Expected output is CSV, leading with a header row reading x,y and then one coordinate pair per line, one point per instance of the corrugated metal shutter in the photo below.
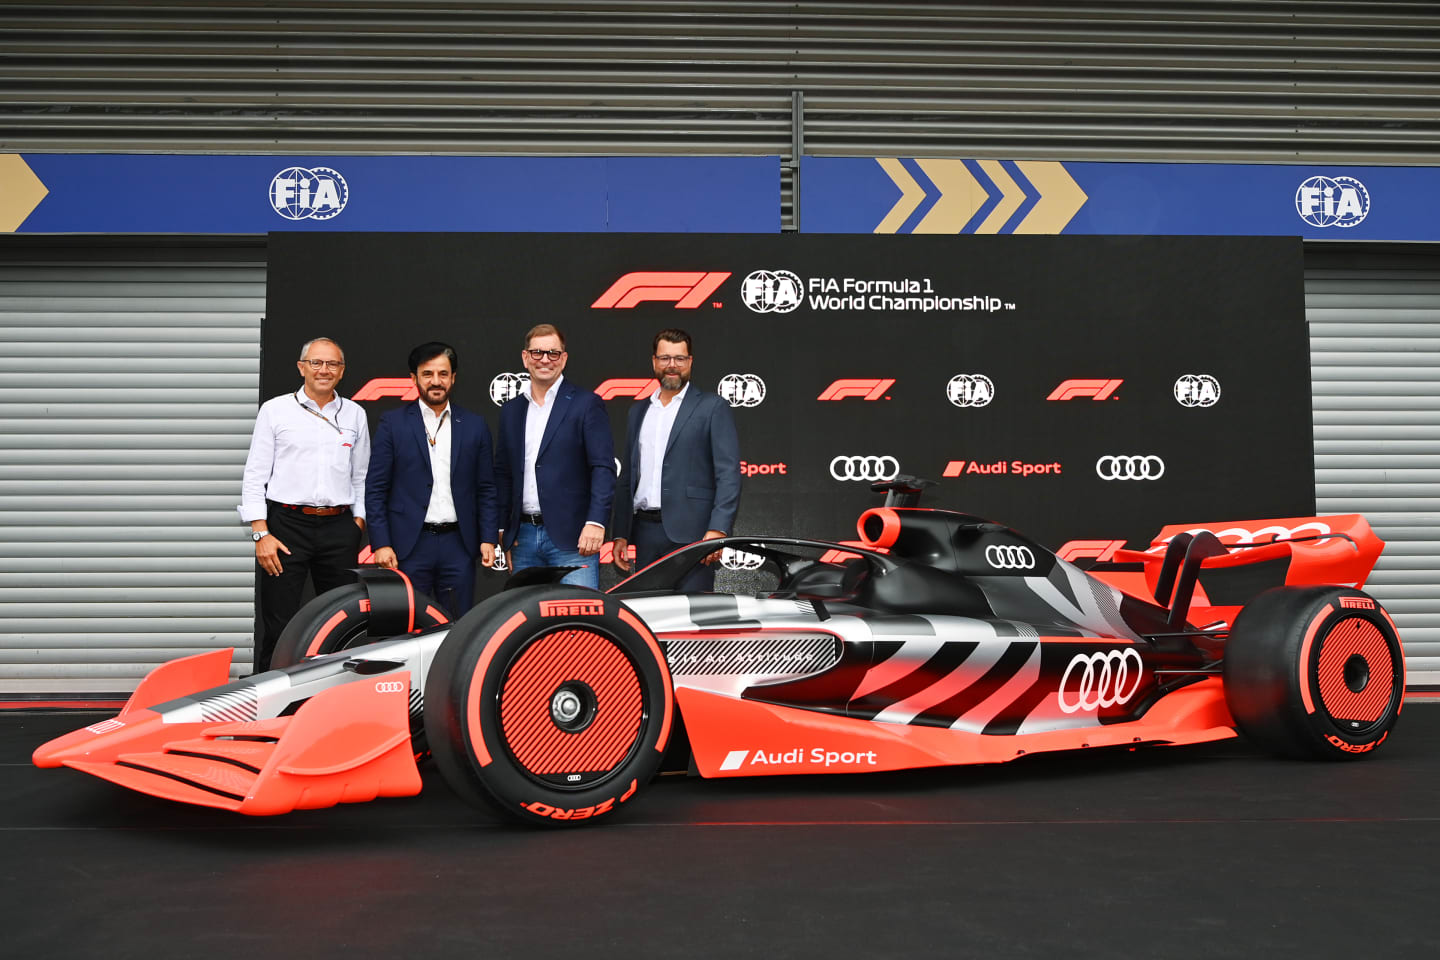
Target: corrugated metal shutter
x,y
1374,317
1268,80
128,389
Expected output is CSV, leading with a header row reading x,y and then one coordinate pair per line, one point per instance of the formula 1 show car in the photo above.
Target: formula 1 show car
x,y
937,638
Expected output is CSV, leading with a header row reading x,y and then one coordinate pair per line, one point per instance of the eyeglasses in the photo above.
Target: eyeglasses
x,y
671,361
542,354
327,364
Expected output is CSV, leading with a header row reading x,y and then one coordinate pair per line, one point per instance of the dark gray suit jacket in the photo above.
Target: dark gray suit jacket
x,y
700,475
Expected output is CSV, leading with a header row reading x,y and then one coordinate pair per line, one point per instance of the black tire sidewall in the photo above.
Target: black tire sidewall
x,y
293,645
502,784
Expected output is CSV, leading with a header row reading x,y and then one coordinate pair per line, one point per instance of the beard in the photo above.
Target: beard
x,y
674,382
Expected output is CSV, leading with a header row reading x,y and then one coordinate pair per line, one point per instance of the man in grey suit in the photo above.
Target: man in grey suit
x,y
681,480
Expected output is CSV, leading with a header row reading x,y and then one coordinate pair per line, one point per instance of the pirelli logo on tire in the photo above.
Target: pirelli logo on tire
x,y
572,608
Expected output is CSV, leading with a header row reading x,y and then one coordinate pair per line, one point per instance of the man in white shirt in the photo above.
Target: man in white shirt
x,y
303,492
430,493
554,466
682,459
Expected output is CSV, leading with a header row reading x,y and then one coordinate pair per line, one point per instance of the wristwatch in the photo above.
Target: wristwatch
x,y
259,535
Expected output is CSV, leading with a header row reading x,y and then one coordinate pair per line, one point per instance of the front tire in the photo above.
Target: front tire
x,y
551,704
1315,672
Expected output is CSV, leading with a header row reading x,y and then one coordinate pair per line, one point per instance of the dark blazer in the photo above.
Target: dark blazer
x,y
700,475
397,488
574,470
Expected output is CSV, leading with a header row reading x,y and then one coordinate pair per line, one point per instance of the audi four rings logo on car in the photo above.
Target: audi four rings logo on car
x,y
772,291
1009,556
864,468
1128,467
741,389
970,390
1095,680
1197,390
389,686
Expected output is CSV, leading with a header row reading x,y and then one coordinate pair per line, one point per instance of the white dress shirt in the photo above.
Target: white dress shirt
x,y
654,438
536,416
303,454
442,502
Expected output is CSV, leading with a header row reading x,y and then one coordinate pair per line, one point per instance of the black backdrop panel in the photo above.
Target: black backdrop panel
x,y
1153,327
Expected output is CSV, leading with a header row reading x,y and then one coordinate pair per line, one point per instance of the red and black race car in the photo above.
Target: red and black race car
x,y
937,638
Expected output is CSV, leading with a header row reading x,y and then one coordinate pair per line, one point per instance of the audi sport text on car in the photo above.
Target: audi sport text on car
x,y
936,638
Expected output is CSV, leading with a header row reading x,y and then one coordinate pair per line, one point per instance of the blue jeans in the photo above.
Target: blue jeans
x,y
533,548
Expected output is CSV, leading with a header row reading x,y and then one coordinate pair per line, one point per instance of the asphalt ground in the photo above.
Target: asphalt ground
x,y
1209,851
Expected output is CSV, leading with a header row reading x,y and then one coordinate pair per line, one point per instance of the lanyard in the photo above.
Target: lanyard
x,y
438,427
316,413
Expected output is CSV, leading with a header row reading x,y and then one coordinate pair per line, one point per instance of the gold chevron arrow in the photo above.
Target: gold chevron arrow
x,y
1011,196
1060,197
20,191
960,196
910,195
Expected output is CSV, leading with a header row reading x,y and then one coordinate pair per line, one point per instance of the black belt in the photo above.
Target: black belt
x,y
440,527
648,514
533,518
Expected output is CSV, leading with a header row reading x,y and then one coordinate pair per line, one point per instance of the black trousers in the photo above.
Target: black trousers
x,y
651,544
324,549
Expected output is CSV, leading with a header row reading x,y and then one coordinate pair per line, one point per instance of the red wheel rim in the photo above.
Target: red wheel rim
x,y
537,741
1354,645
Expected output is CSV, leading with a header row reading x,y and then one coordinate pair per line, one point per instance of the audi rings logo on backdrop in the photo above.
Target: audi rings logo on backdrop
x,y
1130,467
741,389
1197,390
1009,556
1104,679
864,468
970,390
732,559
772,291
507,386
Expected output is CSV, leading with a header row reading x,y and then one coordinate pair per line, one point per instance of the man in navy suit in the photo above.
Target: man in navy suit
x,y
682,461
430,492
555,466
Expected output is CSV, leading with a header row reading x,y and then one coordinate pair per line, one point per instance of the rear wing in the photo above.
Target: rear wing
x,y
1336,550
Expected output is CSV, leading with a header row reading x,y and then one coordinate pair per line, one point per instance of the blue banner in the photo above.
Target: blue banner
x,y
133,193
1317,202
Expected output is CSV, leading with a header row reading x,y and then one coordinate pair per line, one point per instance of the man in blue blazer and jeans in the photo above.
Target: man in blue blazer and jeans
x,y
554,466
682,464
430,492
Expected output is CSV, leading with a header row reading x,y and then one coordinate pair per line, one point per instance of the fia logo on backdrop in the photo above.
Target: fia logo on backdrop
x,y
741,389
304,193
1332,202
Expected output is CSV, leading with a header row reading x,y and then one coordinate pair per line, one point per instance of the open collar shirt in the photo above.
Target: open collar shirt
x,y
437,429
537,415
654,438
301,453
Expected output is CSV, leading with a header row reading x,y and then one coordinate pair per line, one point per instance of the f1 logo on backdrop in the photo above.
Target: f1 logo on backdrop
x,y
970,390
300,193
864,468
1094,389
741,389
1197,390
401,388
871,389
687,290
1127,467
637,387
1101,550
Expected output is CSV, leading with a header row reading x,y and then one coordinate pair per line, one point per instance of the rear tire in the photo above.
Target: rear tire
x,y
1315,672
551,704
